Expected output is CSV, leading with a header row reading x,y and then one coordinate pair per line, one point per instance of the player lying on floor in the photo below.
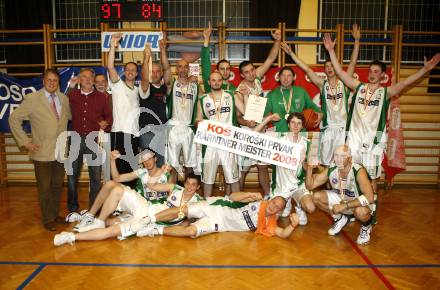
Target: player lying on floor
x,y
149,173
221,215
131,202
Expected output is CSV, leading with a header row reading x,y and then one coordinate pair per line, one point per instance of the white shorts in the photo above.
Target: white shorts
x,y
214,157
297,194
133,203
245,163
180,140
334,198
330,139
211,220
372,162
207,219
199,159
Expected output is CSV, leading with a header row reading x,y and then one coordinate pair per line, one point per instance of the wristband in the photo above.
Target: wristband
x,y
363,200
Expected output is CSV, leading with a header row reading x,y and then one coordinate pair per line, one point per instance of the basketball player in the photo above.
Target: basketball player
x,y
333,98
223,216
251,85
366,122
289,183
218,105
351,193
182,105
149,173
223,66
287,99
130,201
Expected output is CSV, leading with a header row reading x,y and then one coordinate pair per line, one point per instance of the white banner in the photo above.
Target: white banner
x,y
133,41
247,143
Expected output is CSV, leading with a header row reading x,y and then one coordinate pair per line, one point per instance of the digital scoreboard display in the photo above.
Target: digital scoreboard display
x,y
140,10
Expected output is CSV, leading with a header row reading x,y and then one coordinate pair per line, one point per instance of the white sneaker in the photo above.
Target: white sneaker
x,y
96,224
338,225
64,238
87,219
364,235
150,230
75,217
302,216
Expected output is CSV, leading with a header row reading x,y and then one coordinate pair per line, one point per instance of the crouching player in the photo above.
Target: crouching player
x,y
351,193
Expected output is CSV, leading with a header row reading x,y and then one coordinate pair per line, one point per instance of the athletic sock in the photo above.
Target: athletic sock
x,y
368,222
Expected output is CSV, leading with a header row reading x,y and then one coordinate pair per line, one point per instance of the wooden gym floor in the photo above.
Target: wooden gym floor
x,y
404,252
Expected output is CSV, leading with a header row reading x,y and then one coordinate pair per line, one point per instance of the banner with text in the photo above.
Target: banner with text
x,y
132,41
247,143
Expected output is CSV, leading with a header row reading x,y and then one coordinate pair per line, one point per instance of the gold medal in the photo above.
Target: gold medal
x,y
362,113
335,108
181,215
287,103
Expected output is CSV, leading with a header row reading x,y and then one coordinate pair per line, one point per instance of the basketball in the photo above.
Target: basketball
x,y
310,117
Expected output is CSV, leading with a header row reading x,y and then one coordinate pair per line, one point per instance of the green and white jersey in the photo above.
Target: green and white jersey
x,y
235,216
334,103
366,124
182,103
144,178
175,198
221,110
286,180
351,189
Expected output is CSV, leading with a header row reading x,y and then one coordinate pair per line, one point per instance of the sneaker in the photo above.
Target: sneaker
x,y
64,238
140,224
75,217
302,216
150,230
95,224
364,235
338,225
86,220
117,213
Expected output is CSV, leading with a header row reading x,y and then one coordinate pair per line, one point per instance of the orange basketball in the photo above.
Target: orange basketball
x,y
311,117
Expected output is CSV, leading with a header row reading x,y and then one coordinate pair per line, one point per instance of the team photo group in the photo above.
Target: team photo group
x,y
154,149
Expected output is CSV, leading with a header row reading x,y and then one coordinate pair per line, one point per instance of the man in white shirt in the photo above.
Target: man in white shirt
x,y
125,100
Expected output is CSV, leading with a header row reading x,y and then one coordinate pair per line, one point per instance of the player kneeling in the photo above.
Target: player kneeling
x,y
351,193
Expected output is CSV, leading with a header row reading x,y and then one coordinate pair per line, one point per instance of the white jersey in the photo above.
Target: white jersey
x,y
144,178
350,186
222,110
285,181
334,104
125,101
257,90
235,216
182,104
367,119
